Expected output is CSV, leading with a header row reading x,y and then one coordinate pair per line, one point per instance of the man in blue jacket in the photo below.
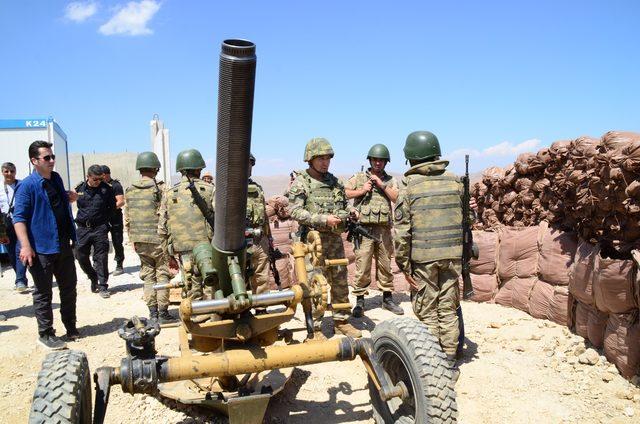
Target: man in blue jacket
x,y
44,225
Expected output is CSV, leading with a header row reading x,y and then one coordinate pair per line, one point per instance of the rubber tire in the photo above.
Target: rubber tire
x,y
427,367
63,390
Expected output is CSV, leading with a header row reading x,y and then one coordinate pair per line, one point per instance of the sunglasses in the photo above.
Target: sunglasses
x,y
48,158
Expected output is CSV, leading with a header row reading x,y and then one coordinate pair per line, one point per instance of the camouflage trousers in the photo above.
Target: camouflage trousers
x,y
154,268
332,248
260,264
437,299
190,276
382,252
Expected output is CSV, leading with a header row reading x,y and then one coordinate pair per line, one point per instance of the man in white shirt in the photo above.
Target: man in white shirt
x,y
6,206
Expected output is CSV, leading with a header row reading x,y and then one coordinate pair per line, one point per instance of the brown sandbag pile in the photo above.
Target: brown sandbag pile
x,y
483,270
622,343
615,285
517,265
587,185
556,252
532,266
550,302
518,252
588,322
515,293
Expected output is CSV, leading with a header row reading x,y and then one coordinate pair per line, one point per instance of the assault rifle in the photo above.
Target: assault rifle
x,y
206,211
467,235
274,255
356,231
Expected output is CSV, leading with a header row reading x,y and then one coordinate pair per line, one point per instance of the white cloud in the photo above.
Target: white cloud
x,y
131,19
79,11
500,154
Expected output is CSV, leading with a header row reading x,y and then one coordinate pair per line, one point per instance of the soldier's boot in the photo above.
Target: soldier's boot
x,y
453,366
346,329
165,316
94,286
358,310
118,270
153,313
390,305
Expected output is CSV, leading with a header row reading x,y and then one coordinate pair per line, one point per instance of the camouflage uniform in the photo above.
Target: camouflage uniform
x,y
257,219
428,245
311,201
184,227
375,214
141,222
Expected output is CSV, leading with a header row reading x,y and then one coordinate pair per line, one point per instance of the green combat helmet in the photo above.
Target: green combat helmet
x,y
147,160
379,151
422,145
189,159
317,147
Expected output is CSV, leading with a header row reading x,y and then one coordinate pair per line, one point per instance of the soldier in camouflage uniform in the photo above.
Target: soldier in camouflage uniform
x,y
141,222
428,241
373,191
317,200
181,221
257,220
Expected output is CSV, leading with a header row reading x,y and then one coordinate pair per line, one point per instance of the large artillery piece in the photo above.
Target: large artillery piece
x,y
236,360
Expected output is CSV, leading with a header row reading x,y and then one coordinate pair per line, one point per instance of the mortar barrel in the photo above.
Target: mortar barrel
x,y
235,114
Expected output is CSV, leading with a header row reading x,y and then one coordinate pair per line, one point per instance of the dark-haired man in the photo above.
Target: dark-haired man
x,y
116,223
96,205
44,226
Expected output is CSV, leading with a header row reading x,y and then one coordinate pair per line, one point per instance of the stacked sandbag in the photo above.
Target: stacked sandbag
x,y
280,231
549,298
585,320
587,185
517,266
483,270
606,295
622,343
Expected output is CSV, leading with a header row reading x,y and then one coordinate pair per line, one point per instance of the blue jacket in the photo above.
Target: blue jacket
x,y
31,206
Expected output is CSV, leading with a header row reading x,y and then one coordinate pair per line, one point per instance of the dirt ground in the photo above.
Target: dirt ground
x,y
516,369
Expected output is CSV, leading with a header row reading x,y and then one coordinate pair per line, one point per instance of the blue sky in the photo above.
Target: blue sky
x,y
495,78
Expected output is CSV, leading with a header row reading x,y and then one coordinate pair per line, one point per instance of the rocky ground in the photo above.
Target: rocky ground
x,y
516,369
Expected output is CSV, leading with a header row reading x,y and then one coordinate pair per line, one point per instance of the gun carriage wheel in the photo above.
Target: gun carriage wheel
x,y
411,356
63,390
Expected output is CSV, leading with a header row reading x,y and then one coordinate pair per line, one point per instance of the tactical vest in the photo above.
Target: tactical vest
x,y
142,208
187,226
374,207
325,198
436,217
256,212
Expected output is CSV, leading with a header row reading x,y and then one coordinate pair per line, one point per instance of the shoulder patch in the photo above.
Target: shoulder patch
x,y
296,189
